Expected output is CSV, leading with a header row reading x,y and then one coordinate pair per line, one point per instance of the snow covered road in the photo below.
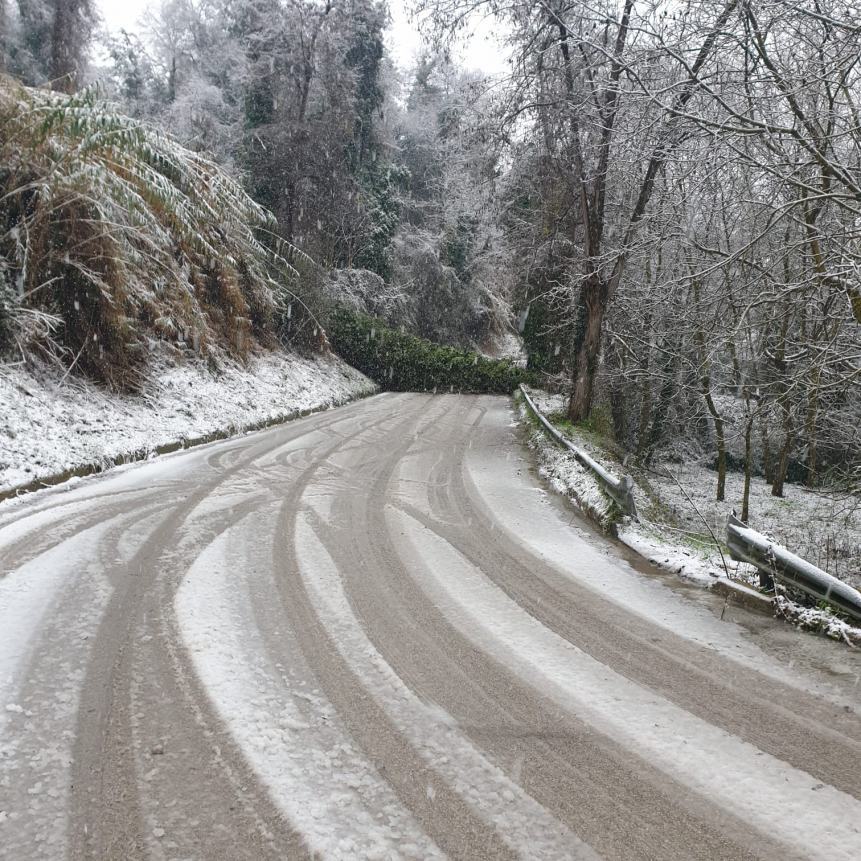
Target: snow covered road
x,y
371,634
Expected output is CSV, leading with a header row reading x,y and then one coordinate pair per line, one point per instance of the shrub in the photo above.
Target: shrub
x,y
402,362
112,234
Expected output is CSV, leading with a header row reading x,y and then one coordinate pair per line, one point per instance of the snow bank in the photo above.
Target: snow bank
x,y
50,427
673,500
566,474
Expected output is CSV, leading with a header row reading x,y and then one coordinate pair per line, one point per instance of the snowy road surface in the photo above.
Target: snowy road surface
x,y
371,634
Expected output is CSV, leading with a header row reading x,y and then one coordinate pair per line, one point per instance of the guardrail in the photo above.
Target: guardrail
x,y
620,490
748,545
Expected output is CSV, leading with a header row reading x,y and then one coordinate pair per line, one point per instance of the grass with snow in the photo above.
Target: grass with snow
x,y
682,526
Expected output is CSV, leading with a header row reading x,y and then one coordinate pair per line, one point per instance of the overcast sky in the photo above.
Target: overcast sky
x,y
482,50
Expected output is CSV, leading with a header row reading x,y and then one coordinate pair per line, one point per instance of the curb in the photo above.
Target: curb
x,y
743,595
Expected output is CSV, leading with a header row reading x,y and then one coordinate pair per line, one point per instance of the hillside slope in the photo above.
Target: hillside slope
x,y
51,427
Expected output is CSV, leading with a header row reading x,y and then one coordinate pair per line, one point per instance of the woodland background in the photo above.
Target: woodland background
x,y
659,201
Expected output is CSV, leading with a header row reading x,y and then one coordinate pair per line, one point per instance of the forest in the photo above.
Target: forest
x,y
656,207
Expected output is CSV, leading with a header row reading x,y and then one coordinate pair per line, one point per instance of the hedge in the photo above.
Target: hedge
x,y
404,363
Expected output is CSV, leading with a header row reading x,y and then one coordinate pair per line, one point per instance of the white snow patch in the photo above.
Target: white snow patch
x,y
687,563
47,428
311,768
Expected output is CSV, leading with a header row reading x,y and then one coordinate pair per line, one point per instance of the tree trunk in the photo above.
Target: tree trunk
x,y
69,36
812,412
646,384
588,348
171,81
616,396
719,438
779,360
737,376
63,73
745,498
645,415
620,418
662,408
783,458
767,472
3,35
782,465
706,389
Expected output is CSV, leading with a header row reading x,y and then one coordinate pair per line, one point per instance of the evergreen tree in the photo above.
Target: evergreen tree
x,y
71,29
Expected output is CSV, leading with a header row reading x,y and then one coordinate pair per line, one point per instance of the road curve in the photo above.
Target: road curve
x,y
372,634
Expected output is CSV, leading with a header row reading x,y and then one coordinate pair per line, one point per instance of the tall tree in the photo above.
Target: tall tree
x,y
4,35
72,27
27,42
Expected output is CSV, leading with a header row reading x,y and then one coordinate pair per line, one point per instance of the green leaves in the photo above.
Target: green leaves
x,y
126,226
380,185
402,362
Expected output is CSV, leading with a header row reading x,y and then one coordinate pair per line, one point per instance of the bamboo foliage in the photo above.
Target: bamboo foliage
x,y
113,235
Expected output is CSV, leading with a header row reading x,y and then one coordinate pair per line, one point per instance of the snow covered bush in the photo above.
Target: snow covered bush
x,y
114,236
366,292
402,362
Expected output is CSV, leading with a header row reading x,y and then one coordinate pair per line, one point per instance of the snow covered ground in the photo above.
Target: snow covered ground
x,y
565,473
678,515
50,426
506,346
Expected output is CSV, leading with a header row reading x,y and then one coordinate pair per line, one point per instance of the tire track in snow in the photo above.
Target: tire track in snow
x,y
310,766
45,637
522,823
443,814
502,714
26,539
708,760
753,706
137,670
32,524
205,522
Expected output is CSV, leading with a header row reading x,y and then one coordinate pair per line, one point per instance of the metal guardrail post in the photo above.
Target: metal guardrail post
x,y
620,490
748,545
626,487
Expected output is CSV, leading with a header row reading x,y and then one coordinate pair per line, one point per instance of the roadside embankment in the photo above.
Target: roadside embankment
x,y
53,428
